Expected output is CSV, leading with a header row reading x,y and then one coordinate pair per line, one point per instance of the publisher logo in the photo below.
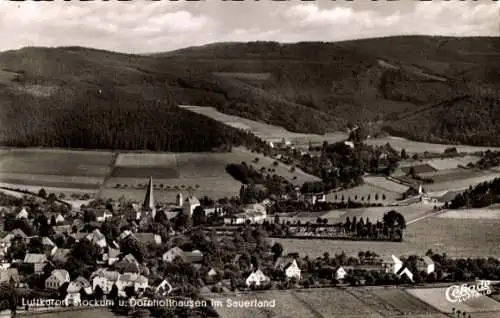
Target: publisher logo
x,y
464,292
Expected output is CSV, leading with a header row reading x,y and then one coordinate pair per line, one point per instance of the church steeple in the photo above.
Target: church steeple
x,y
149,202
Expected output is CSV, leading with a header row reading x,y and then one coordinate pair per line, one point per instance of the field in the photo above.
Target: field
x,y
473,214
385,184
265,131
420,147
436,298
455,237
363,191
371,302
451,163
245,76
456,184
6,76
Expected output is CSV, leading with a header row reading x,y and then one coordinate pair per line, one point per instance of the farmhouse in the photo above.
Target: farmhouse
x,y
189,205
22,214
38,261
57,278
254,213
257,278
426,264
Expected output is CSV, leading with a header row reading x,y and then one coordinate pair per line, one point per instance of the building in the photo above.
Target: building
x,y
38,261
257,278
148,238
163,288
104,279
98,239
9,275
6,241
314,198
253,213
293,271
340,273
61,255
124,264
57,278
102,215
426,264
148,206
57,217
22,214
139,282
111,256
170,255
178,200
189,205
73,295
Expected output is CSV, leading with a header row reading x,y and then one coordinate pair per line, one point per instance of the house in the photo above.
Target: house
x,y
111,256
62,229
8,275
426,264
212,273
163,288
98,239
22,214
6,241
254,213
257,278
73,295
128,264
293,271
193,257
57,278
102,215
49,247
189,205
61,255
340,273
139,282
123,235
104,279
58,218
148,238
314,198
170,255
38,261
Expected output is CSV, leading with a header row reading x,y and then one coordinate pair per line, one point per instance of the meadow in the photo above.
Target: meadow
x,y
385,184
363,191
421,147
456,184
451,163
265,131
245,76
371,302
455,237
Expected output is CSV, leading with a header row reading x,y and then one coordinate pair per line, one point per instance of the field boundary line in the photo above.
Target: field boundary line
x,y
375,297
108,175
307,305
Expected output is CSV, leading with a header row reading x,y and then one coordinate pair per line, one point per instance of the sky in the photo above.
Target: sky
x,y
141,26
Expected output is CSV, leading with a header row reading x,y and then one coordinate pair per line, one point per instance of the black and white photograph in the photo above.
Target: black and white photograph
x,y
250,159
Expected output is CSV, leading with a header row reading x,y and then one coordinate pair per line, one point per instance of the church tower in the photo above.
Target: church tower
x,y
149,202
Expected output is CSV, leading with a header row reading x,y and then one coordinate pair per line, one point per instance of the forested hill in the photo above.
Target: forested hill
x,y
87,98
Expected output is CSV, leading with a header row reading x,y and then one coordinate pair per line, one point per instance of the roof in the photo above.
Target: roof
x,y
61,254
113,253
7,274
109,275
149,201
47,241
82,282
18,232
60,229
60,274
192,200
283,262
427,260
194,256
146,237
175,250
33,258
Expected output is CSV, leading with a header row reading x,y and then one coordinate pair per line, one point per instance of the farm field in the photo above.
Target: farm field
x,y
436,298
455,237
452,163
462,183
56,190
420,147
245,76
384,184
472,214
363,191
265,131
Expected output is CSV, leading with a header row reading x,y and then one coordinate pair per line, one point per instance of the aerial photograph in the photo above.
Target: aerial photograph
x,y
250,159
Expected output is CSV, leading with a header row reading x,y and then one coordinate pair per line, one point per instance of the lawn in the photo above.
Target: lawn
x,y
420,147
362,191
473,214
385,184
455,237
462,183
56,162
436,298
451,163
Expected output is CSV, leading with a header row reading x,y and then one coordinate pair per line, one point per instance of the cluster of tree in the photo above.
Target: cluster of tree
x,y
281,206
412,174
482,195
488,160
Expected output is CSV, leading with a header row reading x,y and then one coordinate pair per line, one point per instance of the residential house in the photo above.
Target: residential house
x,y
289,265
49,246
257,278
6,241
212,273
340,273
128,264
73,295
314,198
104,279
98,239
10,275
426,264
139,282
148,238
163,288
61,255
195,256
22,214
38,261
58,217
103,214
189,205
170,255
255,213
111,256
57,278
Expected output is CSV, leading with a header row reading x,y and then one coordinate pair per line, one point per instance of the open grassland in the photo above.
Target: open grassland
x,y
472,214
455,237
420,147
363,191
56,190
436,298
385,184
245,76
265,131
451,163
462,183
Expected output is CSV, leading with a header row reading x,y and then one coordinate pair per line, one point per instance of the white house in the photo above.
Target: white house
x,y
104,279
97,238
23,214
58,218
340,273
426,264
189,205
102,215
57,278
139,282
172,254
163,288
74,288
293,271
255,213
258,278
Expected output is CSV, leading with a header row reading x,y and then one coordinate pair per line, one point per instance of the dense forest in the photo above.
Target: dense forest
x,y
87,98
482,195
